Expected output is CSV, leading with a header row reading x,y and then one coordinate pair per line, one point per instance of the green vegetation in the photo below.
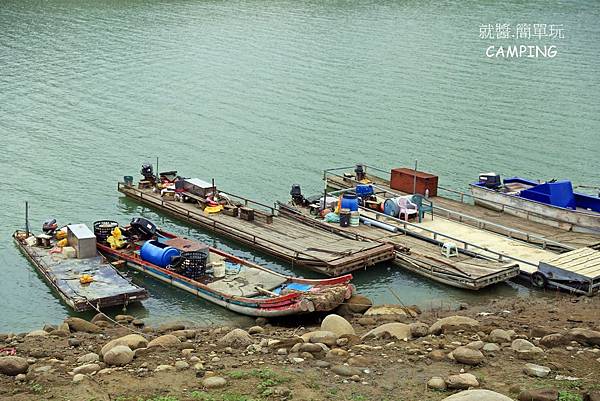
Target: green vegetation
x,y
568,396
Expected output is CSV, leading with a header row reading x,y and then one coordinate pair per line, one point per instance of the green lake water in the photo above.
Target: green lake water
x,y
260,95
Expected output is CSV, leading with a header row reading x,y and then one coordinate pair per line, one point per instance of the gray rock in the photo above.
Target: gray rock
x,y
491,347
308,347
77,324
236,338
74,342
100,317
337,324
88,358
165,341
499,336
181,365
124,318
163,368
214,382
475,345
436,383
554,340
346,371
468,356
359,303
13,365
453,323
398,331
477,395
171,326
462,381
325,337
585,336
418,329
255,330
118,356
78,378
87,369
133,341
543,394
536,370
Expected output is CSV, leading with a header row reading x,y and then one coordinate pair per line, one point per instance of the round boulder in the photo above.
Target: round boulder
x,y
468,356
337,324
236,338
132,341
436,383
214,382
118,356
453,323
13,365
167,341
359,304
399,331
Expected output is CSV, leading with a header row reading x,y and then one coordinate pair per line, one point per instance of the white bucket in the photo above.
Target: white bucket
x,y
218,269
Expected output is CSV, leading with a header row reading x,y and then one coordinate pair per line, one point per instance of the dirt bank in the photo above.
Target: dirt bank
x,y
489,345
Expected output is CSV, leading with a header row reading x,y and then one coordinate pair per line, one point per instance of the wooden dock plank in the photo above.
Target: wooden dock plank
x,y
318,250
569,238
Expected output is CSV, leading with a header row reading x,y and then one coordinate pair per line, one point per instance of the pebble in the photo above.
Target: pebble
x,y
436,383
78,378
181,365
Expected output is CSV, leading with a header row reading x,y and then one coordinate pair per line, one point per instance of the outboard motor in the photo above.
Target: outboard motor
x,y
142,228
49,226
148,172
360,172
490,180
297,197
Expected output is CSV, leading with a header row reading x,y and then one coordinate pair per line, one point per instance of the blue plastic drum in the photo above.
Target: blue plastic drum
x,y
349,201
158,254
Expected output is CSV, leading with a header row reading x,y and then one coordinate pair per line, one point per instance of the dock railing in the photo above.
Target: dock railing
x,y
512,233
217,225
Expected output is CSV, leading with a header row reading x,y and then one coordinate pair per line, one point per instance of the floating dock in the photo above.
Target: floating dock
x,y
490,239
461,210
107,288
274,234
466,270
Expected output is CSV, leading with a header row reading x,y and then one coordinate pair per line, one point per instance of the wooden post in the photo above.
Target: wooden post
x,y
27,217
415,179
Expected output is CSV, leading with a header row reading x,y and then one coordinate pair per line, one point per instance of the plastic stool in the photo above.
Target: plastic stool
x,y
449,249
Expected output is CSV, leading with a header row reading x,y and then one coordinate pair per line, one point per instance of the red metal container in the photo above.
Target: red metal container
x,y
403,179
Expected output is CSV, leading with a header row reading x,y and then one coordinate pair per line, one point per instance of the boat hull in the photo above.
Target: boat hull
x,y
562,218
285,305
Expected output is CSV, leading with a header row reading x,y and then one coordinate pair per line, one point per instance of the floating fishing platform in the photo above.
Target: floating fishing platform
x,y
83,282
260,227
490,239
458,206
466,270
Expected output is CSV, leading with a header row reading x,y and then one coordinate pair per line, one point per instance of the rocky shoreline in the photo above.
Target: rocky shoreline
x,y
519,349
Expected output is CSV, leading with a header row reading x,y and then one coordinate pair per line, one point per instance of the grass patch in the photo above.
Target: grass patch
x,y
568,396
202,396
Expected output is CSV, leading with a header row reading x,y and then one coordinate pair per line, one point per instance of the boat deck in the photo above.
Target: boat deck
x,y
108,288
279,236
500,222
421,257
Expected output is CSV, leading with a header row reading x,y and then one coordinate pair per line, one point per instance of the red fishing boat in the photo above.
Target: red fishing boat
x,y
217,276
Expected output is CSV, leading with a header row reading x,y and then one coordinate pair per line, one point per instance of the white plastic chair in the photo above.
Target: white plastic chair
x,y
406,207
